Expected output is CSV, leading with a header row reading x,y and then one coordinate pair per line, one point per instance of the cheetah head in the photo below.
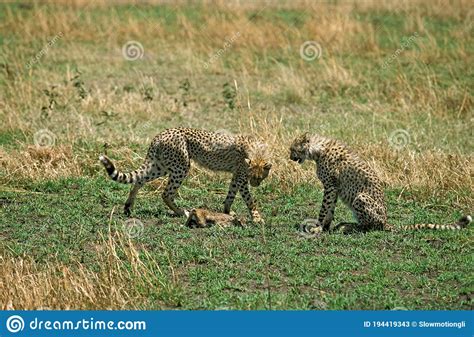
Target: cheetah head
x,y
258,170
299,149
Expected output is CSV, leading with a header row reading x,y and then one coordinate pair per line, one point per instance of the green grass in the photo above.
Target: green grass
x,y
254,267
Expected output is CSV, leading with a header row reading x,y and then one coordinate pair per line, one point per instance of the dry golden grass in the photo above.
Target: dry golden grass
x,y
122,279
433,170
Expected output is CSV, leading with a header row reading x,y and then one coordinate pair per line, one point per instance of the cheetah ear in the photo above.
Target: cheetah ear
x,y
267,166
247,161
306,136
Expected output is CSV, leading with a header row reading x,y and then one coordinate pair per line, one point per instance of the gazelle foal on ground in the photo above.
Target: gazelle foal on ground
x,y
201,218
171,152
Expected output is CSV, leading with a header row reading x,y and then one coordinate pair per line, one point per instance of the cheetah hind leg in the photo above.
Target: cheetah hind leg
x,y
131,198
153,174
367,214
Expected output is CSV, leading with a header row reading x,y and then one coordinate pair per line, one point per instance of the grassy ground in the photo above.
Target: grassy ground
x,y
392,80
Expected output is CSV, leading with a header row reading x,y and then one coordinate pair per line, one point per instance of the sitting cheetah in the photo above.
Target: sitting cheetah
x,y
171,152
201,218
344,175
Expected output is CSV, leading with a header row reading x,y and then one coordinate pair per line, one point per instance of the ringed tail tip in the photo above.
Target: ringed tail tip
x,y
109,167
465,221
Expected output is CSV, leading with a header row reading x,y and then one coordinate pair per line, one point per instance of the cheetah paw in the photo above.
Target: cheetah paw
x,y
310,228
256,218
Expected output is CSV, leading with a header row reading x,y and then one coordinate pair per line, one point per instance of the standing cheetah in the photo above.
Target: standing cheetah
x,y
344,175
171,152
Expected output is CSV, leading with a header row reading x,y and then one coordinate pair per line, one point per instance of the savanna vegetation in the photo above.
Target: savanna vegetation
x,y
393,79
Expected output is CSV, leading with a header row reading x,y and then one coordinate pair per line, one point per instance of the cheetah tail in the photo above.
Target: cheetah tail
x,y
124,178
463,222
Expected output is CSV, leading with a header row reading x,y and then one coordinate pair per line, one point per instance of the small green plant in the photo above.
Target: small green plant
x,y
229,93
147,92
52,95
185,87
78,83
107,115
128,88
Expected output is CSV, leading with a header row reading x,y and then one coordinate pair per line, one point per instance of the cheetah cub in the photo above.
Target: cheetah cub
x,y
201,218
344,175
171,152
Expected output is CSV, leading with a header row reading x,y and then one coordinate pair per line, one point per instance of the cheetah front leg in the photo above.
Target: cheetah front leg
x,y
326,213
245,192
174,182
233,189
